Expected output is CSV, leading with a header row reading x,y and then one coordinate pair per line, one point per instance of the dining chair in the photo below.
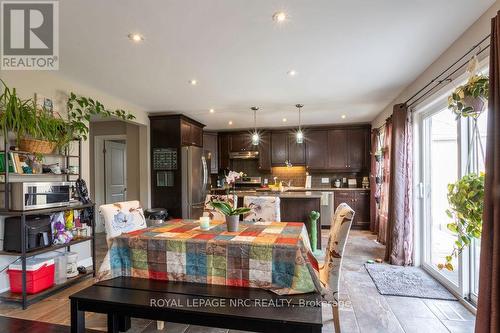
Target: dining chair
x,y
122,217
263,209
330,272
214,214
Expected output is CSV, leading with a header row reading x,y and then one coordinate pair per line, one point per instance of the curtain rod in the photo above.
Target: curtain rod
x,y
446,70
446,79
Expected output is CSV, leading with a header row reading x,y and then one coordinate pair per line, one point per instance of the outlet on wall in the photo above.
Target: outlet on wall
x,y
325,180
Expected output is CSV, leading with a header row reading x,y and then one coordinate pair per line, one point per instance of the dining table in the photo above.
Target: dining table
x,y
274,256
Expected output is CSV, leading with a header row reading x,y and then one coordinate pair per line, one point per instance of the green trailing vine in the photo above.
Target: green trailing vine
x,y
466,209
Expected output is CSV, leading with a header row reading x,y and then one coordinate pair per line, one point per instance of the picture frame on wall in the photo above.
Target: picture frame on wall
x,y
44,103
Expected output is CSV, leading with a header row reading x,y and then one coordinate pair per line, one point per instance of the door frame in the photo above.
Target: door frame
x,y
99,173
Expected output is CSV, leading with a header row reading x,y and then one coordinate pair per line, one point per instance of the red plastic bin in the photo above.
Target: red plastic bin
x,y
39,275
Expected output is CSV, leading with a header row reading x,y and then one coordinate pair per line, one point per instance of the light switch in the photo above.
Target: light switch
x,y
325,180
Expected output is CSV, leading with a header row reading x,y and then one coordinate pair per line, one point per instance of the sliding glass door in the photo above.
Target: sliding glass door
x,y
446,153
440,148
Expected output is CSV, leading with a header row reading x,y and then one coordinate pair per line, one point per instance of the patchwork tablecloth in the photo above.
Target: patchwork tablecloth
x,y
271,255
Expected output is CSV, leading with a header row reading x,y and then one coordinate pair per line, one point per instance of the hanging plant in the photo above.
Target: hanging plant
x,y
466,209
469,99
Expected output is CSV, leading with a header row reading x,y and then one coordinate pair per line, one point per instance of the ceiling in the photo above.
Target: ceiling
x,y
352,57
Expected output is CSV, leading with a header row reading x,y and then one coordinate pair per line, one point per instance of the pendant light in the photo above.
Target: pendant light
x,y
255,134
299,136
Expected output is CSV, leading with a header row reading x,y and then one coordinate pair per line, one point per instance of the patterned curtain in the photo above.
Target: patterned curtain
x,y
399,245
488,309
384,193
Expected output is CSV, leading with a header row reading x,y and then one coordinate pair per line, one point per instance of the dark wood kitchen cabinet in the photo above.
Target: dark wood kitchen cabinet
x,y
240,142
359,201
316,151
284,149
210,144
169,136
265,152
296,151
337,149
191,133
224,161
279,148
348,149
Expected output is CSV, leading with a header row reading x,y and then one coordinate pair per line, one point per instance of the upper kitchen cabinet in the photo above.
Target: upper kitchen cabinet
x,y
337,149
285,149
265,152
241,141
191,133
210,144
279,148
316,152
224,161
348,149
296,151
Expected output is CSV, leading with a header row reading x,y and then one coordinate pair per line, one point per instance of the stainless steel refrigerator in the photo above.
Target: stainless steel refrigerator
x,y
195,180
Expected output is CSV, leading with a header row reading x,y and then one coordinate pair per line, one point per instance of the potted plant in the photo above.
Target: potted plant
x,y
466,209
232,214
40,131
469,99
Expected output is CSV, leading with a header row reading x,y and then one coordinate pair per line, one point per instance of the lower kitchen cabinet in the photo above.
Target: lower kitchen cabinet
x,y
359,201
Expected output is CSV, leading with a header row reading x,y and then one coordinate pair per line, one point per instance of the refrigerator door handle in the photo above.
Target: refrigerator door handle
x,y
205,175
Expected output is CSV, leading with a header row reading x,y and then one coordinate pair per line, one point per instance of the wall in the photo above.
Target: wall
x,y
469,38
56,86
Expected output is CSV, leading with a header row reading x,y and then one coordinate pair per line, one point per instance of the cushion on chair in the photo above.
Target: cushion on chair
x,y
122,217
263,209
213,213
339,230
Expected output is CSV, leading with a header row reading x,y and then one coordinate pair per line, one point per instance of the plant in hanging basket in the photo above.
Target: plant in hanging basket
x,y
465,198
469,99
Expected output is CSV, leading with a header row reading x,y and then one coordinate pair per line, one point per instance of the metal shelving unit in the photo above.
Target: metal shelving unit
x,y
23,298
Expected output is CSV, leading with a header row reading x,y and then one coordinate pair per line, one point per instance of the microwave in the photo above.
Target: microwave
x,y
39,195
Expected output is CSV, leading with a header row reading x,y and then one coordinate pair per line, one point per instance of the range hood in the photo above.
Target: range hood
x,y
244,155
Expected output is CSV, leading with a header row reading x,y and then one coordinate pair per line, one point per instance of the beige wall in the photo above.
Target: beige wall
x,y
469,38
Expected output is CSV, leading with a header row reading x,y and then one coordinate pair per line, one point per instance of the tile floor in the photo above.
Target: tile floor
x,y
365,309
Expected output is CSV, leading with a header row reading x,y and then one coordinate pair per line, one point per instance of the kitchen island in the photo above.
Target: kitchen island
x,y
294,206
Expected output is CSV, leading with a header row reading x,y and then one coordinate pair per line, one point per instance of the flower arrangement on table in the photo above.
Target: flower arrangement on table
x,y
232,214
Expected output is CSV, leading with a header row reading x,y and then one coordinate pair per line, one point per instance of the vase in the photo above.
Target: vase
x,y
232,223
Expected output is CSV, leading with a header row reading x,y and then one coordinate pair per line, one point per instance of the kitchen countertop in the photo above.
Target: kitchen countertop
x,y
332,189
291,194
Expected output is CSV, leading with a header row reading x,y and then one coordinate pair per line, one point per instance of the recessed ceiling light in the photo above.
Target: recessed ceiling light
x,y
136,37
292,72
211,110
284,120
230,122
343,116
279,17
193,82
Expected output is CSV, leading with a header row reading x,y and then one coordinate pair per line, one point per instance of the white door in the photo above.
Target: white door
x,y
115,171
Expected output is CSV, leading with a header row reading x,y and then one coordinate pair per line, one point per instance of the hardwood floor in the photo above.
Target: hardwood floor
x,y
364,309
